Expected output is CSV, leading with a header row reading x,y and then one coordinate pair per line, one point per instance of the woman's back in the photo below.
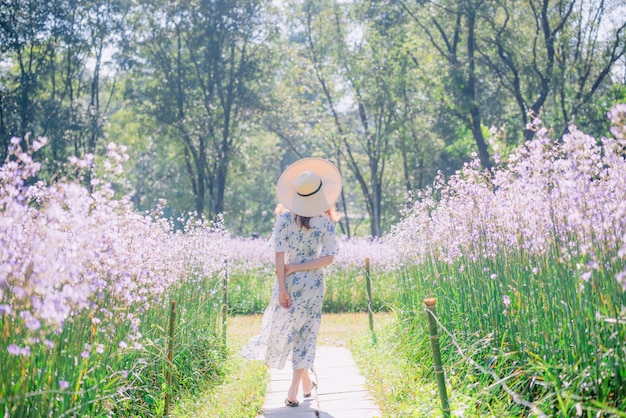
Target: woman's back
x,y
302,244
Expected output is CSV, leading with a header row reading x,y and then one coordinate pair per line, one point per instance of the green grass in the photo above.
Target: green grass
x,y
131,381
240,393
530,320
105,361
248,292
405,386
402,385
529,343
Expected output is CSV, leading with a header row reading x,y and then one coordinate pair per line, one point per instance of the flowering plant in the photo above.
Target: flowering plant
x,y
79,273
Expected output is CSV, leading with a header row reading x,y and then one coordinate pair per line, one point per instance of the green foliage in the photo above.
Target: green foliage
x,y
372,85
201,80
461,149
399,372
89,371
250,292
529,320
53,79
592,118
156,167
249,201
240,392
346,291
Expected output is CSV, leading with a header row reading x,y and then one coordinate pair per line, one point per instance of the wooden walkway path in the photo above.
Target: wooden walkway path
x,y
340,390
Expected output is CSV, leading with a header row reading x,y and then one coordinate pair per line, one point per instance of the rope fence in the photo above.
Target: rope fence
x,y
498,380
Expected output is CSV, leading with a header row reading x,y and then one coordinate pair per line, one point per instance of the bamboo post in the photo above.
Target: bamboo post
x,y
368,282
431,310
224,302
170,357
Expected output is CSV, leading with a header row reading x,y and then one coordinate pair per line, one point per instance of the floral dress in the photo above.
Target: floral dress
x,y
291,334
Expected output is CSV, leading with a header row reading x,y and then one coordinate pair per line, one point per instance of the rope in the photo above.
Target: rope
x,y
317,400
498,381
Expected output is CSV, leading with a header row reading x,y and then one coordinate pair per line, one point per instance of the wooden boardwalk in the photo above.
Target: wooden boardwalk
x,y
340,392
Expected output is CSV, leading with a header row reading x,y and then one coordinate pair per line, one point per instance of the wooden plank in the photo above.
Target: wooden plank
x,y
340,392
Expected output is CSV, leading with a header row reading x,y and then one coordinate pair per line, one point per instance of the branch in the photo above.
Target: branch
x,y
431,38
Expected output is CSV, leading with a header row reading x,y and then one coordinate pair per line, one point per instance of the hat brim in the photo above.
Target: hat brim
x,y
315,204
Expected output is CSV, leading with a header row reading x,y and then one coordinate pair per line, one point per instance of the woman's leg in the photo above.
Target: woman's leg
x,y
292,394
307,385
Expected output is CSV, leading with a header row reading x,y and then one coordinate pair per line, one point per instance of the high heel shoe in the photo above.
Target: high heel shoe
x,y
313,386
291,403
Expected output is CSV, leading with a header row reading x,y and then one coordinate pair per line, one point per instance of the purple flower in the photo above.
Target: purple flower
x,y
33,323
13,349
64,384
37,144
19,292
621,279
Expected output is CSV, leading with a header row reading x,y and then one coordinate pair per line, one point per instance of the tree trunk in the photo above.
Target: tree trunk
x,y
472,93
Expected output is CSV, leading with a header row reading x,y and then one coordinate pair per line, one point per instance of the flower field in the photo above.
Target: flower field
x,y
528,266
527,263
86,284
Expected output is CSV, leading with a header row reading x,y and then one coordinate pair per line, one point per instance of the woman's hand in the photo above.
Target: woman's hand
x,y
283,299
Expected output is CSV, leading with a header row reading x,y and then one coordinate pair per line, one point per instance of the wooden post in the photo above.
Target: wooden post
x,y
368,282
431,305
170,357
224,302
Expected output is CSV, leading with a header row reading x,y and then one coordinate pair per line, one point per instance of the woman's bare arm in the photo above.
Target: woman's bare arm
x,y
283,296
308,265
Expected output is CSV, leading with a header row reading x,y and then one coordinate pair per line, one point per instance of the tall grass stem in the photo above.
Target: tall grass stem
x,y
224,302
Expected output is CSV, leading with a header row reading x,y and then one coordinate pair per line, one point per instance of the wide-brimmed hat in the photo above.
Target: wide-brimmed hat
x,y
309,187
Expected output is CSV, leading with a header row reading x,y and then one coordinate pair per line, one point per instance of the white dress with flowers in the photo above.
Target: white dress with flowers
x,y
291,334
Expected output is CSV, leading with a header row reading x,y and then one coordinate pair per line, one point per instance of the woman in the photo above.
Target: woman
x,y
304,242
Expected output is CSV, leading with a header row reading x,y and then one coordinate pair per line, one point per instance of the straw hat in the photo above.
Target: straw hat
x,y
309,187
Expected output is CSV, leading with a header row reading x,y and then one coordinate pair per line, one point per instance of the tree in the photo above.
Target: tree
x,y
451,27
570,60
359,71
47,89
547,57
200,61
28,40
